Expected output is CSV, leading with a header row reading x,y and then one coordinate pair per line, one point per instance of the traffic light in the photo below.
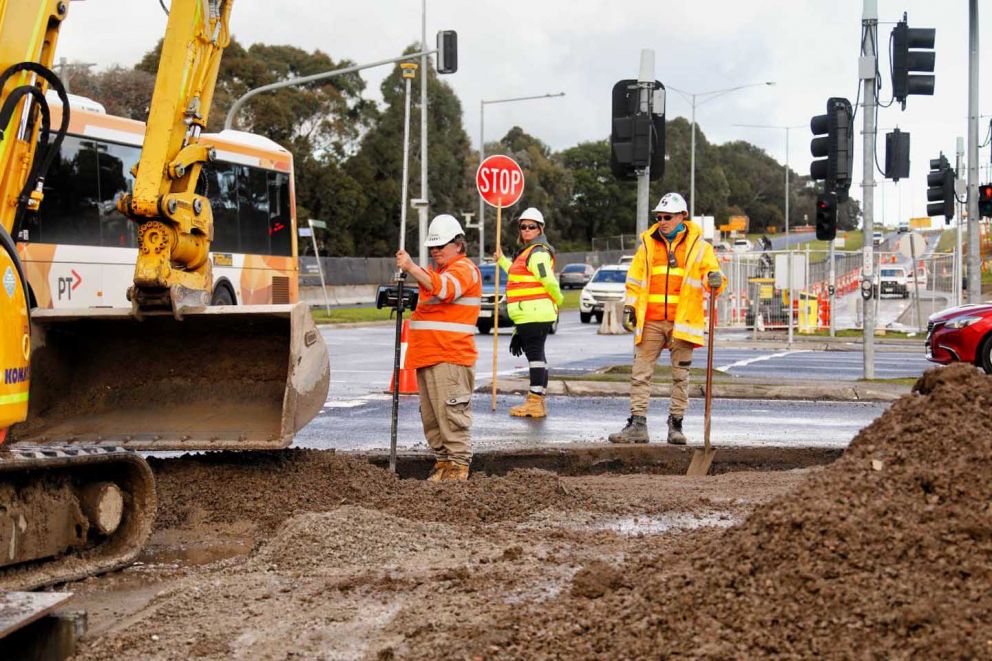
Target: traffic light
x,y
906,61
447,51
896,155
826,216
985,201
637,136
834,140
940,189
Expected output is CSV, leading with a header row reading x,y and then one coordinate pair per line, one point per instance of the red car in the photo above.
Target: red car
x,y
961,334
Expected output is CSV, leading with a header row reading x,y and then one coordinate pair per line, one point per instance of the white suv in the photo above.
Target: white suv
x,y
893,280
608,284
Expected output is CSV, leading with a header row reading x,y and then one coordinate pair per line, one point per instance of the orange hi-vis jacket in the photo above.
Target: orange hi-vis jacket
x,y
700,260
522,285
666,278
442,328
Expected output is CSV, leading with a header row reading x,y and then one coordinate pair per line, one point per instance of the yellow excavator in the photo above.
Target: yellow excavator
x,y
82,390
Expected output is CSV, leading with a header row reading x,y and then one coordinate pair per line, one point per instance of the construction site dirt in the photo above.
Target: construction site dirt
x,y
887,552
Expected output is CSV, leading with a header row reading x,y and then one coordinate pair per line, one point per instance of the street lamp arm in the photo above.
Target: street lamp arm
x,y
522,98
236,106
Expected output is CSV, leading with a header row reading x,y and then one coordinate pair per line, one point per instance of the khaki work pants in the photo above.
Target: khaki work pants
x,y
446,409
657,336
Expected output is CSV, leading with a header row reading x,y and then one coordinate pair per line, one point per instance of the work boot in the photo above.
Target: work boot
x,y
441,467
455,472
675,435
533,407
636,431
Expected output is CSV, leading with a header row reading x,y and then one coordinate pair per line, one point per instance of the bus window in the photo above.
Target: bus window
x,y
280,224
253,210
70,211
113,180
222,191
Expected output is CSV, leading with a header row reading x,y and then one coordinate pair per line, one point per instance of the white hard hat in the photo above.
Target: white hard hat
x,y
531,213
672,203
442,230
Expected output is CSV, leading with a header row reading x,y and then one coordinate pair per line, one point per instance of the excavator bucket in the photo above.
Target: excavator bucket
x,y
222,378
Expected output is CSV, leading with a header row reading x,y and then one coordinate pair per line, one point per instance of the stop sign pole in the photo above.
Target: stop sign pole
x,y
500,182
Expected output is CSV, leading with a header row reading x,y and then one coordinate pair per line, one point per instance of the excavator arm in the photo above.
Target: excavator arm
x,y
175,223
79,388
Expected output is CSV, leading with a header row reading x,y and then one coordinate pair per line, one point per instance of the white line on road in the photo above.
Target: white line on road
x,y
748,361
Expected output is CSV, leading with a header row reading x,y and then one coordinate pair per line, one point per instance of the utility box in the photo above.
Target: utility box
x,y
708,223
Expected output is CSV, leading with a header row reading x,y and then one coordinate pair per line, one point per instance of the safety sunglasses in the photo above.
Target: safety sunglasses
x,y
664,216
528,227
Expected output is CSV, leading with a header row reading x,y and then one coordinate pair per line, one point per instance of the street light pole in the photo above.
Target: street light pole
x,y
482,155
691,97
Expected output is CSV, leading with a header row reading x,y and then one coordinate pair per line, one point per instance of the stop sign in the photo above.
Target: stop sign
x,y
500,181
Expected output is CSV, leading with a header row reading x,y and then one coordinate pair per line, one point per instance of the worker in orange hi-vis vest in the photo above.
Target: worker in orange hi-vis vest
x,y
672,270
442,345
532,300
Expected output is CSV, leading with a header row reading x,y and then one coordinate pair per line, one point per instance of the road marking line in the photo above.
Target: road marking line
x,y
748,361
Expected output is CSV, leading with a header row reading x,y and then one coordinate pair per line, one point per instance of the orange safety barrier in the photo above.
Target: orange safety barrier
x,y
824,310
408,377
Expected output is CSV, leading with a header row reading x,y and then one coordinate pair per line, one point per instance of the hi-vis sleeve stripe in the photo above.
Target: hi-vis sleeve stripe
x,y
635,282
443,326
693,282
457,286
631,300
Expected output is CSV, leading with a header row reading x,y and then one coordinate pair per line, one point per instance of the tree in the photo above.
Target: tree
x,y
600,205
123,92
377,167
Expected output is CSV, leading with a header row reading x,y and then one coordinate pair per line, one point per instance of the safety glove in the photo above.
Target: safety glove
x,y
516,348
715,279
629,318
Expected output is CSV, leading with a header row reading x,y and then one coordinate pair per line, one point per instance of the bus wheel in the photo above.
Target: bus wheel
x,y
222,296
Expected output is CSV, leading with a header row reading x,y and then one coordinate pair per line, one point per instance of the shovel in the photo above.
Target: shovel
x,y
702,459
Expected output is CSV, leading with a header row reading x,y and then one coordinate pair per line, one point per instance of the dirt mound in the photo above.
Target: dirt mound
x,y
886,553
352,536
269,487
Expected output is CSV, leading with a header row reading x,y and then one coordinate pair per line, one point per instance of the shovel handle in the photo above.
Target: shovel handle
x,y
709,373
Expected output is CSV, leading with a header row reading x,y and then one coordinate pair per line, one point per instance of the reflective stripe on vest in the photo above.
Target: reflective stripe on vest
x,y
665,283
443,326
520,282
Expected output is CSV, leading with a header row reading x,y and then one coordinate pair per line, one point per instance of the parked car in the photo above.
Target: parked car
x,y
626,259
574,276
485,322
742,245
721,246
608,284
903,228
893,280
877,238
961,334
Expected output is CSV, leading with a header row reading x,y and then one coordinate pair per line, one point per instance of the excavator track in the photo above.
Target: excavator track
x,y
71,512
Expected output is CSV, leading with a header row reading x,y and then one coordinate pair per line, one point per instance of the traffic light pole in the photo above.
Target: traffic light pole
x,y
974,220
867,68
958,255
645,81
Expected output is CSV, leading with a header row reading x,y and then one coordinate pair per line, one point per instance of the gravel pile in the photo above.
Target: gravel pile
x,y
887,553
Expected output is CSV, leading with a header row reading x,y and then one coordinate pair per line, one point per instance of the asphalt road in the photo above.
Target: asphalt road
x,y
357,414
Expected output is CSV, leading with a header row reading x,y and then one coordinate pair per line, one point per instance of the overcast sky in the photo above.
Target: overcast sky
x,y
514,48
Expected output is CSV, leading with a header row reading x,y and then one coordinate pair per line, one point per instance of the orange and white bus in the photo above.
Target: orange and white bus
x,y
79,251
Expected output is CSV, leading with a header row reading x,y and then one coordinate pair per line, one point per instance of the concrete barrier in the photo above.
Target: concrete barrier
x,y
339,295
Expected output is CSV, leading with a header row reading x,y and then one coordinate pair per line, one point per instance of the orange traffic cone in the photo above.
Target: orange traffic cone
x,y
408,377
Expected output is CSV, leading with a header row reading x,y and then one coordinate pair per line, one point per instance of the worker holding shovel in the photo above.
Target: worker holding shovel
x,y
673,269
